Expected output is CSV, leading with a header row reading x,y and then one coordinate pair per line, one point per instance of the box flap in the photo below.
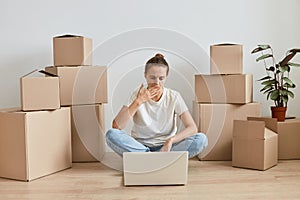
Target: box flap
x,y
67,35
225,44
40,71
271,123
249,129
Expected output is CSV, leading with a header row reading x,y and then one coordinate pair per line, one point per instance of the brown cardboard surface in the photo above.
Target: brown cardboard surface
x,y
81,85
288,136
34,144
72,51
236,88
88,133
39,93
226,59
155,168
254,146
216,121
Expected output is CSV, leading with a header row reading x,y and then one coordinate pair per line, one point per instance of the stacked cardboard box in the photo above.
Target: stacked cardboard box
x,y
223,96
83,88
35,140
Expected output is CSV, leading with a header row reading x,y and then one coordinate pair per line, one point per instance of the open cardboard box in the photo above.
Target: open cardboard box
x,y
288,136
39,93
254,145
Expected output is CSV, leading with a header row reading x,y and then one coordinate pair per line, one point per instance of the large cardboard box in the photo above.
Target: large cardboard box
x,y
81,85
254,146
216,121
235,88
39,93
288,136
34,144
226,59
72,50
88,133
155,168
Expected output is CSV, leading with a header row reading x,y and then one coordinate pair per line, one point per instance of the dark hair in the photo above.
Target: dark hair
x,y
159,60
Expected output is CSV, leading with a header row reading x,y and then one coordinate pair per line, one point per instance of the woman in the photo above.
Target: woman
x,y
154,111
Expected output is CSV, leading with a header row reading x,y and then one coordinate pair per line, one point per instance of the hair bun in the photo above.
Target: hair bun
x,y
159,55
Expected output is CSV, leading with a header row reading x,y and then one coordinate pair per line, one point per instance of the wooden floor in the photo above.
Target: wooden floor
x,y
207,180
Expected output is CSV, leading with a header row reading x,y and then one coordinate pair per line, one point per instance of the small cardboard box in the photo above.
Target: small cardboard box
x,y
34,144
226,59
236,88
88,133
81,85
288,136
72,50
39,93
254,146
216,121
155,168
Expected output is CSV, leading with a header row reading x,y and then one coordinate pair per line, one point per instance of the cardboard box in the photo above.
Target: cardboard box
x,y
226,59
288,136
235,88
39,93
155,168
72,50
216,121
88,133
254,146
81,85
34,144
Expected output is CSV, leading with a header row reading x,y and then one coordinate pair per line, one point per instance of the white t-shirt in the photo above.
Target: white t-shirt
x,y
155,122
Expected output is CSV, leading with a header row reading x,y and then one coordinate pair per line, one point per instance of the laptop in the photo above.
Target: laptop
x,y
155,168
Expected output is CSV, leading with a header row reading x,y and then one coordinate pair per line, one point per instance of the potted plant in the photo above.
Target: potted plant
x,y
277,84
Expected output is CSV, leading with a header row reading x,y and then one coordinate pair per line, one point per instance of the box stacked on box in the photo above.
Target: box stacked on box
x,y
223,96
83,88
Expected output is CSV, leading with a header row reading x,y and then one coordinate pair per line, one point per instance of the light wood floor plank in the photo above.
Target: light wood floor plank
x,y
207,180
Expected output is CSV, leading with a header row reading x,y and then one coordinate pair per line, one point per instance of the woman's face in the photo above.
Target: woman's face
x,y
156,75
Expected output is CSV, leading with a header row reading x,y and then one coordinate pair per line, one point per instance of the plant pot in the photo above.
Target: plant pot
x,y
279,113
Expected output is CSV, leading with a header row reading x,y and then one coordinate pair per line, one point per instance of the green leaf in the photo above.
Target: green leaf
x,y
287,80
285,99
268,90
264,78
286,85
293,64
283,69
291,94
264,46
274,95
264,57
266,87
260,48
283,92
268,82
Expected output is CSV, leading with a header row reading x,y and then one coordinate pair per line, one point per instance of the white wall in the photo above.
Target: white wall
x,y
127,33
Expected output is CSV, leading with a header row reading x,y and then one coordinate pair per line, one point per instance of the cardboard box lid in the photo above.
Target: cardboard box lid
x,y
251,130
226,44
270,123
68,36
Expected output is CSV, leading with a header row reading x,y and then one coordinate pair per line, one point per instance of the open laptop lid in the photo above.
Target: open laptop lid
x,y
155,168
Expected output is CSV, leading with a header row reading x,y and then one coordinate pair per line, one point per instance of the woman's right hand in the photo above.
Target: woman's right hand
x,y
145,95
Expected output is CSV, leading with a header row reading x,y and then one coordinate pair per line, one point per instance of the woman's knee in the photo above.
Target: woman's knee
x,y
201,141
112,134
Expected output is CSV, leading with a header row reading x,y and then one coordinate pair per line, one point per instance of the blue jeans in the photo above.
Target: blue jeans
x,y
121,142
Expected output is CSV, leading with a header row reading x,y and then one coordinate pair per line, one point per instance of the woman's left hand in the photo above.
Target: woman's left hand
x,y
167,145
